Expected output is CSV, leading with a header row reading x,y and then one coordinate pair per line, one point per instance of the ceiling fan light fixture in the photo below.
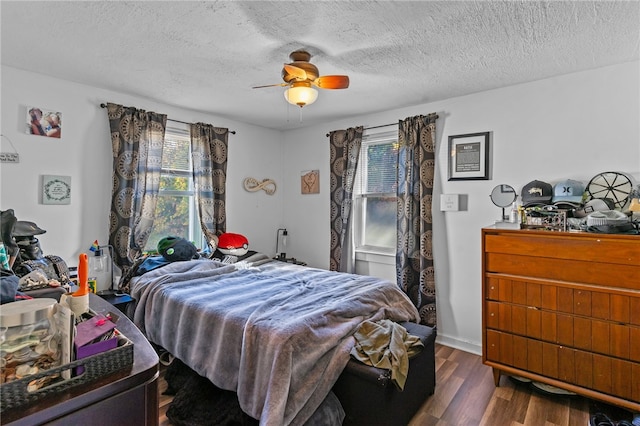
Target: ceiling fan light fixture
x,y
301,94
301,79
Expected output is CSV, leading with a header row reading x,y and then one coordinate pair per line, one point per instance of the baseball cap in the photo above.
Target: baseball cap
x,y
176,249
536,192
23,228
607,217
568,190
595,205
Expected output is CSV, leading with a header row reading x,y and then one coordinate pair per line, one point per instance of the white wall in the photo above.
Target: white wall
x,y
572,126
84,153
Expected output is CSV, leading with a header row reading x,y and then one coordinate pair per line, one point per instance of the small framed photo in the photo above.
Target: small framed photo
x,y
44,122
469,156
56,189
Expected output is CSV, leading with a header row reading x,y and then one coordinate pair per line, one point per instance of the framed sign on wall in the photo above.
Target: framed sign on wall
x,y
469,156
56,189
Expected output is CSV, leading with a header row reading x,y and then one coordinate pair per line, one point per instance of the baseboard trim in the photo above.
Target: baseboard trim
x,y
471,347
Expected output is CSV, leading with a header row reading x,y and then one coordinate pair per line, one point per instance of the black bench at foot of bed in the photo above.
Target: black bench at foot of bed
x,y
369,397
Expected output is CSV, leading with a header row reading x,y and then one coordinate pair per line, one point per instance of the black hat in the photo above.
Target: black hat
x,y
177,249
23,228
536,193
7,223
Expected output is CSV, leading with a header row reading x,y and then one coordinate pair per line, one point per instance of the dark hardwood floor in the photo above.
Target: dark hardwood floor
x,y
465,395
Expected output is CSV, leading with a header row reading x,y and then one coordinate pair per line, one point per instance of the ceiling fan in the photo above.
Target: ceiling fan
x,y
301,77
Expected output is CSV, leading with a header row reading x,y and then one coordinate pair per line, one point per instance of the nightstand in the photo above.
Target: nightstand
x,y
290,260
119,300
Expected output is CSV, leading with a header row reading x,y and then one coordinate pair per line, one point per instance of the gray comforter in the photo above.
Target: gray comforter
x,y
278,334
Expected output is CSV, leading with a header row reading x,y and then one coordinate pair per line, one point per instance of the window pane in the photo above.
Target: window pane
x,y
176,153
174,183
172,219
382,163
380,222
375,207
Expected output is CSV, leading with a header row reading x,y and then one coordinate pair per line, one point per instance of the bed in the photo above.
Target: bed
x,y
276,333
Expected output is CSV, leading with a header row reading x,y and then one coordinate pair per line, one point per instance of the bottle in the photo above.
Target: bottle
x,y
100,269
513,217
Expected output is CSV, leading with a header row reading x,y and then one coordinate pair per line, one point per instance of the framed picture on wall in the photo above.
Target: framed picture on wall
x,y
44,122
469,156
310,182
56,189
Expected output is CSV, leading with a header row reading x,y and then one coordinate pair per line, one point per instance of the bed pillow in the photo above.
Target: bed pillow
x,y
233,244
225,258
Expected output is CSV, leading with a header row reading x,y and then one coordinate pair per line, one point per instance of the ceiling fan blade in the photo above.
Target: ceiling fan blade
x,y
332,82
297,72
271,85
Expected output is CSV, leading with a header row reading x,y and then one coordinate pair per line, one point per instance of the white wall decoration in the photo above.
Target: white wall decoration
x,y
253,185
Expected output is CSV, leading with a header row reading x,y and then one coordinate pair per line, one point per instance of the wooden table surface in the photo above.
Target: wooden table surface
x,y
142,374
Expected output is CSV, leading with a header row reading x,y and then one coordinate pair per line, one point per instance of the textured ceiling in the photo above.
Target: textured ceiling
x,y
207,55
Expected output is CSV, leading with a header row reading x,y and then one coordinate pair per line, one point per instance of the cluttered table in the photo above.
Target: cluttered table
x,y
128,396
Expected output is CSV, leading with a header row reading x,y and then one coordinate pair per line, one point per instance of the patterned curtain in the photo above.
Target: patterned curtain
x,y
414,254
137,137
209,153
345,152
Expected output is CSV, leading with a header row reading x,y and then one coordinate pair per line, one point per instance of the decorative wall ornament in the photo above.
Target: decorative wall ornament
x,y
56,189
310,182
9,157
253,185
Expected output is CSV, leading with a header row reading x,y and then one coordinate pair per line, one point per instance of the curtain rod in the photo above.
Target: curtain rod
x,y
382,125
171,119
374,127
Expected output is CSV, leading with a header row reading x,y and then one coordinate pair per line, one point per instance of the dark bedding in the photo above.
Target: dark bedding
x,y
278,334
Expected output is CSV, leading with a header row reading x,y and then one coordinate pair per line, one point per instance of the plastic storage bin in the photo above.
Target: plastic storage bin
x,y
28,341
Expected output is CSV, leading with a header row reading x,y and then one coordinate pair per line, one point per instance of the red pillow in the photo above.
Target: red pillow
x,y
233,244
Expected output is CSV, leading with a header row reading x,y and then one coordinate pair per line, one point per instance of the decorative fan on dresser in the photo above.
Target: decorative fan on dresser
x,y
616,186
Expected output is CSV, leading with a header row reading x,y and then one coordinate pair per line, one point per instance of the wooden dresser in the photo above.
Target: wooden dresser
x,y
563,308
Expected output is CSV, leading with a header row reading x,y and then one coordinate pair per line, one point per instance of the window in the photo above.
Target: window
x,y
176,211
375,197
